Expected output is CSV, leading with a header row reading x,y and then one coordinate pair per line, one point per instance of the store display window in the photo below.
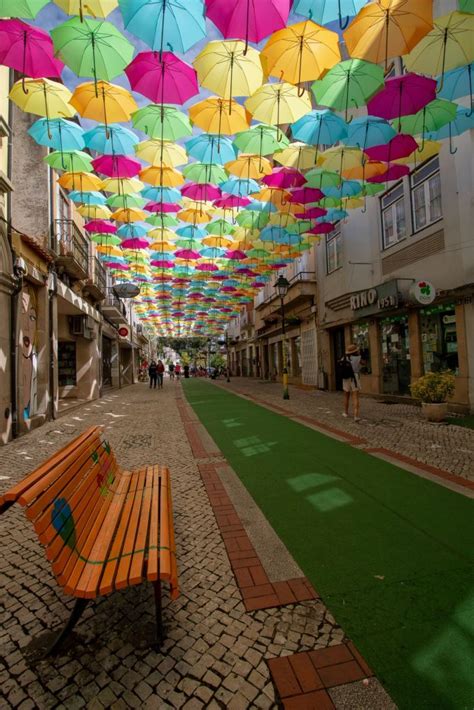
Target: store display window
x,y
395,343
67,371
360,336
439,339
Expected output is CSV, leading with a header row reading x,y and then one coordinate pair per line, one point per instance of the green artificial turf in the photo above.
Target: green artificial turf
x,y
390,553
467,421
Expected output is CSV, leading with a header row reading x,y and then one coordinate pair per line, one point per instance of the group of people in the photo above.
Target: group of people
x,y
156,371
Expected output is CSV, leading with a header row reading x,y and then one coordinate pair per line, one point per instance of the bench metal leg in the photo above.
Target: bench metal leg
x,y
76,614
159,617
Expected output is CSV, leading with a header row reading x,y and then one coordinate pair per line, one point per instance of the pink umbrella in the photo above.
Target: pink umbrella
x,y
100,226
206,266
235,254
134,243
304,195
117,166
284,177
28,49
187,254
162,263
311,213
230,201
321,228
203,191
162,79
247,19
162,207
394,172
117,266
402,96
399,147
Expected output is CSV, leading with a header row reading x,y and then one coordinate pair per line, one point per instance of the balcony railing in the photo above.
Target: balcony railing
x,y
300,277
113,307
70,247
100,279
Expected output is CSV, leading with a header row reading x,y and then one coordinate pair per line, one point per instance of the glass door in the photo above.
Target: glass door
x,y
339,349
396,372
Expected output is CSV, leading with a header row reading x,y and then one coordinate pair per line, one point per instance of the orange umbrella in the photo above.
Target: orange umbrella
x,y
221,116
162,175
105,102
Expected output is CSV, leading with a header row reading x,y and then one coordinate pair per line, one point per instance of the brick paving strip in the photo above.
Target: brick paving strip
x,y
303,681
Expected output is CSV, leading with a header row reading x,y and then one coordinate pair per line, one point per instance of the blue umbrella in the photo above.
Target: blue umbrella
x,y
175,25
347,188
57,133
112,139
208,148
132,230
191,231
457,83
326,11
463,121
319,128
87,198
212,252
333,215
367,131
279,235
258,206
162,194
239,187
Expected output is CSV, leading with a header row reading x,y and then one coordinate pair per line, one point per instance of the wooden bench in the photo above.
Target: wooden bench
x,y
103,528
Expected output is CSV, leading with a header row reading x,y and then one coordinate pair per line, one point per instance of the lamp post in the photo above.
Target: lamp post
x,y
227,356
282,286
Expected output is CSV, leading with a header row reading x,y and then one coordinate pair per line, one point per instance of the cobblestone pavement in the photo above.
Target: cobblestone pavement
x,y
215,652
398,427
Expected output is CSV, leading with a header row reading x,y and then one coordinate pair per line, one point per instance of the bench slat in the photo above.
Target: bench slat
x,y
173,578
121,579
153,537
141,543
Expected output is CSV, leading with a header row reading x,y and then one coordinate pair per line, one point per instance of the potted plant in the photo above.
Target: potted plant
x,y
433,391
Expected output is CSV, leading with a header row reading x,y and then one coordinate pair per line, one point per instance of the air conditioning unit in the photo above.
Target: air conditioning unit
x,y
90,323
76,325
89,334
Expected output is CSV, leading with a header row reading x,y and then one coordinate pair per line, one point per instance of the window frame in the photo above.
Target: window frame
x,y
390,206
425,182
332,237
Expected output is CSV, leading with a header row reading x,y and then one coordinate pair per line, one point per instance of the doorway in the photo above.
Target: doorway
x,y
396,373
339,349
106,362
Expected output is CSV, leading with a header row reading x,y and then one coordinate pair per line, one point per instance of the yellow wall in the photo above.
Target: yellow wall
x,y
4,86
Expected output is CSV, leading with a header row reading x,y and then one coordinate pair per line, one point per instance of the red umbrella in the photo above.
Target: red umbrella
x,y
28,49
246,19
284,177
394,172
162,78
117,166
402,96
304,195
399,147
201,191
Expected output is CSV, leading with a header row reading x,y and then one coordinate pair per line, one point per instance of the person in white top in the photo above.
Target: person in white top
x,y
350,367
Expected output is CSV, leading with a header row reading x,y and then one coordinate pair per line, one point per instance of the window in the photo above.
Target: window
x,y
439,339
426,195
334,250
393,216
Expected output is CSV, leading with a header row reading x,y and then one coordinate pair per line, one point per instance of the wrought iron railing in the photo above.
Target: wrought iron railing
x,y
67,240
100,279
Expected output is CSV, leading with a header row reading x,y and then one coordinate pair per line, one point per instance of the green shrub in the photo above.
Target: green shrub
x,y
434,387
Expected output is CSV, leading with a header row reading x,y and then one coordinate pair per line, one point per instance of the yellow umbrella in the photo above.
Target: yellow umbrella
x,y
129,214
122,186
276,196
195,216
248,165
94,211
301,52
162,176
341,158
388,28
42,97
161,245
278,103
282,219
218,242
367,169
298,155
109,250
220,116
94,8
229,68
106,102
162,234
159,152
429,149
80,181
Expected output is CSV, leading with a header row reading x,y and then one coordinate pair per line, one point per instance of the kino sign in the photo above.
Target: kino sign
x,y
375,299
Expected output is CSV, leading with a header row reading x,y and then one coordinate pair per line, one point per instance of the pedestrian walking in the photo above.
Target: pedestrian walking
x,y
350,366
153,374
186,371
171,370
177,369
161,371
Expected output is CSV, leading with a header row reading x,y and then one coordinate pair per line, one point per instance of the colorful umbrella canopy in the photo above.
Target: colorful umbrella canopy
x,y
216,115
209,148
116,166
248,20
319,127
431,117
162,77
159,152
70,160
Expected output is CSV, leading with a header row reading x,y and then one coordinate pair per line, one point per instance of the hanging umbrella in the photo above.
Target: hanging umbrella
x,y
350,84
205,173
261,139
92,48
163,78
326,11
216,115
278,103
306,195
105,240
298,155
319,127
209,148
124,186
342,158
159,152
301,52
162,175
162,220
28,49
96,8
402,95
94,211
463,121
246,19
87,198
103,102
70,160
162,194
447,46
284,177
161,24
100,227
162,207
21,8
42,97
320,178
116,166
80,181
238,187
431,118
394,172
399,147
128,214
367,131
125,201
203,192
58,134
111,139
248,165
457,83
388,28
164,122
348,188
425,149
229,69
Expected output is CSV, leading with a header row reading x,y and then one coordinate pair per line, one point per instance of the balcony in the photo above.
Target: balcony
x,y
96,286
302,289
71,248
114,310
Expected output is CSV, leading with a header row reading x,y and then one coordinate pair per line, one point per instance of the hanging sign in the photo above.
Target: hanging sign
x,y
124,332
423,292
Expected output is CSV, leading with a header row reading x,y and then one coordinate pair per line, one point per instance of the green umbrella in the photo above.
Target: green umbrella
x,y
106,240
349,84
466,6
27,9
74,161
261,140
92,48
320,178
220,227
250,219
162,121
162,220
372,188
205,173
188,244
257,253
299,227
432,117
125,201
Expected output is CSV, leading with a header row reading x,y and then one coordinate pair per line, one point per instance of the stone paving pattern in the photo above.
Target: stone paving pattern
x,y
216,652
398,427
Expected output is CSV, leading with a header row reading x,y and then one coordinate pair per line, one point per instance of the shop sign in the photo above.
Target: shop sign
x,y
423,292
124,332
373,300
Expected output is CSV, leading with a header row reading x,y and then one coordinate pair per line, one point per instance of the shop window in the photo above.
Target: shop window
x,y
360,336
66,363
426,195
396,370
392,205
334,250
439,339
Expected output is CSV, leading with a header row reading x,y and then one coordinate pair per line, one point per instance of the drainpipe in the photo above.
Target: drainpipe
x,y
52,291
13,352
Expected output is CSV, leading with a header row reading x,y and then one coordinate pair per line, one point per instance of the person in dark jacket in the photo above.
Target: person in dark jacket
x,y
153,374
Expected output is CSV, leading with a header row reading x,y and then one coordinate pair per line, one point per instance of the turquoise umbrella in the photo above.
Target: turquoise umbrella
x,y
175,25
319,128
367,131
161,194
57,133
240,187
87,198
112,139
457,83
325,11
348,188
462,122
209,148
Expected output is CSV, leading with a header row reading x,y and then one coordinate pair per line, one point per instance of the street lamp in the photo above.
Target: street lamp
x,y
282,285
227,356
